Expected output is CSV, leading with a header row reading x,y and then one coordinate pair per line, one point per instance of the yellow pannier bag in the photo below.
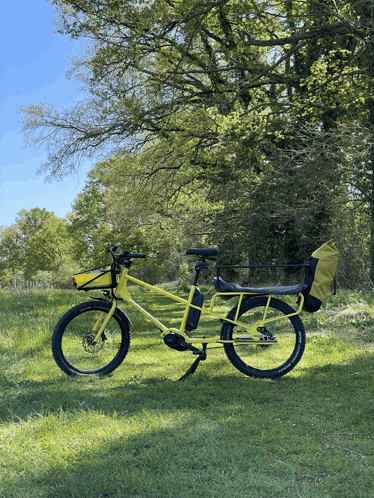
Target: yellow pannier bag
x,y
106,279
323,265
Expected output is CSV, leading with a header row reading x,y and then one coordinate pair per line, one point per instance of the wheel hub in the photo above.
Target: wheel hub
x,y
90,346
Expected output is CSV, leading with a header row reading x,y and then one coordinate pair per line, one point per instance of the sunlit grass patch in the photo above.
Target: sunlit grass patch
x,y
139,433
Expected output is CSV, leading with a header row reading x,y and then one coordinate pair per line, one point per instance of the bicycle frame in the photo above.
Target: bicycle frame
x,y
122,292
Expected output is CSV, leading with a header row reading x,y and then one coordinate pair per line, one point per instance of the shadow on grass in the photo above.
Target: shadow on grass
x,y
135,393
210,436
214,436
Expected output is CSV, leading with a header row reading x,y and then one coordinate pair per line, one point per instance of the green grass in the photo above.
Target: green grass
x,y
139,434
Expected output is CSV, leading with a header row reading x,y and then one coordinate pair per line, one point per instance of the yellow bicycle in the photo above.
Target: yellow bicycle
x,y
262,335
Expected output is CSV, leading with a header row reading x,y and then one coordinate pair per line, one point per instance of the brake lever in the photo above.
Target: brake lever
x,y
113,247
123,258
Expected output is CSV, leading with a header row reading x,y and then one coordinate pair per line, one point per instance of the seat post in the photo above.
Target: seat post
x,y
200,266
196,276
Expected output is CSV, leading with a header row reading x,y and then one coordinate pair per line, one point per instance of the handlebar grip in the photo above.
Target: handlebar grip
x,y
139,255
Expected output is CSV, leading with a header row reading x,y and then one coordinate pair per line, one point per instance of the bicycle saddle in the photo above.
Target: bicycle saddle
x,y
205,253
284,290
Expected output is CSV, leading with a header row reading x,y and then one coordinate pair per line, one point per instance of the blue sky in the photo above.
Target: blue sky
x,y
33,62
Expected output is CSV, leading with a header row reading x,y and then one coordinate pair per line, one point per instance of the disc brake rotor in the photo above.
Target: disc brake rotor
x,y
90,346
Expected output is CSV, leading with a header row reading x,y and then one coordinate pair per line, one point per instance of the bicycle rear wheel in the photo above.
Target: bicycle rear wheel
x,y
73,346
265,360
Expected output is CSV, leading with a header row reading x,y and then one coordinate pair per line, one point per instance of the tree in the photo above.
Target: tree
x,y
46,248
89,224
37,242
11,249
202,72
16,237
145,216
205,89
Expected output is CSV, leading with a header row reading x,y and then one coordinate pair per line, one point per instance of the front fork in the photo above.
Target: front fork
x,y
100,325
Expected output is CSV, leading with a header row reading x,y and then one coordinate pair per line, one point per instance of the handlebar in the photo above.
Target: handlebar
x,y
130,255
125,256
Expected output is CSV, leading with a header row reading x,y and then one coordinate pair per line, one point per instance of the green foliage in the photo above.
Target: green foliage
x,y
5,276
203,78
89,225
230,123
45,248
37,244
156,217
12,249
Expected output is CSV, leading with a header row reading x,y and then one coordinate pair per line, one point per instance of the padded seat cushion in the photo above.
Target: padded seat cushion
x,y
205,252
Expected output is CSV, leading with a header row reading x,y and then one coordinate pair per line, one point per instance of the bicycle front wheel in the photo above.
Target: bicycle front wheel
x,y
265,360
73,345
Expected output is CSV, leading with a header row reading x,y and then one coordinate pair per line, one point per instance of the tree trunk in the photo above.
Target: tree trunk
x,y
370,53
367,16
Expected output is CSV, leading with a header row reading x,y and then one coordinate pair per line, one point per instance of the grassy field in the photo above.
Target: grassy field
x,y
140,434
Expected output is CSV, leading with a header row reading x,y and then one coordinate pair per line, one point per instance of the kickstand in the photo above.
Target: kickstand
x,y
193,367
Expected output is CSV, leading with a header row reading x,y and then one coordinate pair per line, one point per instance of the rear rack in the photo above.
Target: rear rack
x,y
301,265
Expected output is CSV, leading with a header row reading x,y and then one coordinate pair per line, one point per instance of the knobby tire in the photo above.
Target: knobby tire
x,y
265,361
73,347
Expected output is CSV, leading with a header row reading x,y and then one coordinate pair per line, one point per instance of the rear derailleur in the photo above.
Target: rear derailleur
x,y
265,335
